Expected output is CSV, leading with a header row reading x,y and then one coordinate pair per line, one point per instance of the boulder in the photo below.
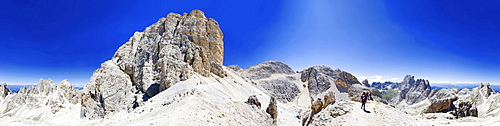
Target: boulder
x,y
252,100
345,80
272,109
316,106
465,109
440,105
329,99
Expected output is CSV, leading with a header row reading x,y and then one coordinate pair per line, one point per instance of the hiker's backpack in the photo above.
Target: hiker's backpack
x,y
363,97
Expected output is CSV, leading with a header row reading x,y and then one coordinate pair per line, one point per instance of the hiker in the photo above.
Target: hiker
x,y
363,100
370,96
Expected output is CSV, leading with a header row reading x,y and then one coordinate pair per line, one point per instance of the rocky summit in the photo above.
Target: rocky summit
x,y
172,73
165,53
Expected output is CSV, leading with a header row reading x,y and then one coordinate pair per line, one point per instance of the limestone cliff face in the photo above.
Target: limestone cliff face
x,y
167,52
170,50
319,78
275,77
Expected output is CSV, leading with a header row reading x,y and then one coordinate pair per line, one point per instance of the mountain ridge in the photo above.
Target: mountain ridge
x,y
172,74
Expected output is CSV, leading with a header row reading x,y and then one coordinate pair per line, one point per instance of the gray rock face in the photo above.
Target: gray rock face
x,y
486,90
408,81
440,105
319,78
345,80
365,83
235,68
167,52
274,77
66,89
170,50
418,91
4,91
465,109
266,69
109,90
283,89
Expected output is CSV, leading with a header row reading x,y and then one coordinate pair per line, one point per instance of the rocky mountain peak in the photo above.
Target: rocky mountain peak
x,y
486,90
407,82
167,52
197,14
266,69
275,77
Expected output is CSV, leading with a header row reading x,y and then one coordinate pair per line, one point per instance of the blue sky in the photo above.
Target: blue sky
x,y
443,41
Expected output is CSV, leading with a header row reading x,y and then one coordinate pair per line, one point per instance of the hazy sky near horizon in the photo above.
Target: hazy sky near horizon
x,y
443,41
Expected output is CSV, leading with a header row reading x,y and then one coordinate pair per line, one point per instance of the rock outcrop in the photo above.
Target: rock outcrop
x,y
320,104
316,106
330,112
4,90
440,105
486,90
236,68
465,109
109,90
275,77
252,100
41,102
319,78
167,52
345,80
170,50
365,83
66,89
328,99
272,109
